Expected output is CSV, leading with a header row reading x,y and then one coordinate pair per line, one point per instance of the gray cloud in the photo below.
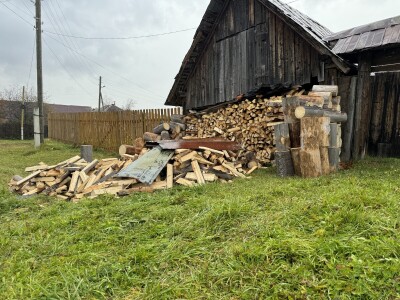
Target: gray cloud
x,y
142,69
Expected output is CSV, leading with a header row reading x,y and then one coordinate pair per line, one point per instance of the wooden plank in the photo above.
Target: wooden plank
x,y
207,177
185,182
233,170
26,179
198,172
74,182
170,176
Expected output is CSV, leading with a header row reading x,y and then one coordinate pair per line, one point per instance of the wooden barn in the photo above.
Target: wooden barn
x,y
244,47
375,95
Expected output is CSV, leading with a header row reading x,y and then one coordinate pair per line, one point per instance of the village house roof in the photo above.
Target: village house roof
x,y
377,35
59,108
310,30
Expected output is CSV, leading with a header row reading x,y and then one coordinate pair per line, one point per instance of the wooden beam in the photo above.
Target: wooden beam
x,y
348,129
386,68
386,57
363,107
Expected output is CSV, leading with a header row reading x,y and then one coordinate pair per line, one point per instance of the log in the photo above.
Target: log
x,y
139,145
325,164
165,135
87,153
177,119
316,101
336,117
127,149
282,137
334,158
182,126
151,137
160,128
314,132
290,105
334,89
333,135
326,95
336,100
296,160
284,164
310,162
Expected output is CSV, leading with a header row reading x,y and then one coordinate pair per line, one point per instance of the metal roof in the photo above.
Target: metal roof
x,y
371,36
315,29
309,29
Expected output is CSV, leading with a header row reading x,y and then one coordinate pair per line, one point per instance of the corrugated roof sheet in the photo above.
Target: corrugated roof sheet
x,y
371,36
314,28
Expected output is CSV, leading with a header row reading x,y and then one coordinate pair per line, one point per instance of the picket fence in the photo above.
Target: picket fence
x,y
106,130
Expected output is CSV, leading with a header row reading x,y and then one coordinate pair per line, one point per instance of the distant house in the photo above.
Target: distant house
x,y
111,108
10,116
59,108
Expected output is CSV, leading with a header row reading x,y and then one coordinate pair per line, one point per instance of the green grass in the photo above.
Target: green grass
x,y
336,236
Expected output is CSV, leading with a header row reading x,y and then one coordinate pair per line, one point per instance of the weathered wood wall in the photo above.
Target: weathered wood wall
x,y
381,125
250,48
106,130
384,137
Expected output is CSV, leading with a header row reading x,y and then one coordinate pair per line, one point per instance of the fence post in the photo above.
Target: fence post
x,y
143,122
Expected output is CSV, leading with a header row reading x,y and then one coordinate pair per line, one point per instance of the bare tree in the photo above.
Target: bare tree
x,y
129,104
10,108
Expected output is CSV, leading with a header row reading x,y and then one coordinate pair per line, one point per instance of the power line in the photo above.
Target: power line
x,y
53,17
65,69
27,7
292,1
121,38
30,69
30,14
18,15
105,68
74,44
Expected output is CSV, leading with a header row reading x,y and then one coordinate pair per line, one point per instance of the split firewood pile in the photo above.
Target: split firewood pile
x,y
249,122
308,142
151,170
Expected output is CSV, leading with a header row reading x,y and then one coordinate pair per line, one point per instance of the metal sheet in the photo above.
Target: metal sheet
x,y
216,144
147,167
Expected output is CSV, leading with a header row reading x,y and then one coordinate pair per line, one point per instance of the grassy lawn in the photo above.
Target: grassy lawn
x,y
336,236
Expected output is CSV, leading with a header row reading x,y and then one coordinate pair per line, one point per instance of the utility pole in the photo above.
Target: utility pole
x,y
101,104
39,68
22,113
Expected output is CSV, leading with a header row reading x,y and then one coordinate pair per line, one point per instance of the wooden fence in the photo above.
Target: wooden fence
x,y
106,130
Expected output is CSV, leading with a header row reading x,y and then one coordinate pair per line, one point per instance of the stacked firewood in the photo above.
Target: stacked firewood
x,y
75,178
249,122
309,141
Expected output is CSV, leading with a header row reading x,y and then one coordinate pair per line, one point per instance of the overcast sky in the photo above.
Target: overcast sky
x,y
139,69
